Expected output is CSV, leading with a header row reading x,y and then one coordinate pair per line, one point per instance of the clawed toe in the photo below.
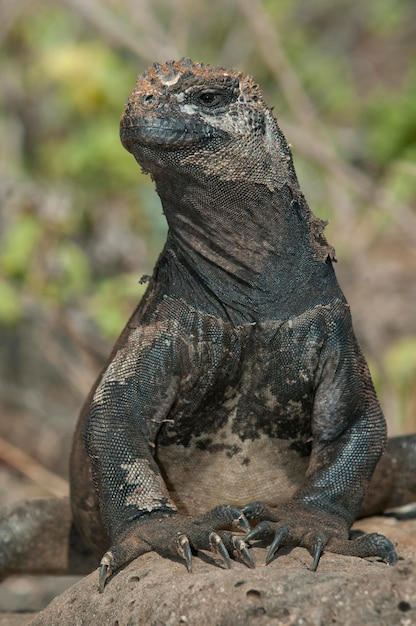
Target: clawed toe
x,y
184,550
217,545
241,551
372,545
242,523
261,531
105,572
319,548
276,543
254,510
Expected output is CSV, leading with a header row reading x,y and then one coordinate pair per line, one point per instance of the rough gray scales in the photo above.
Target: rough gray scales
x,y
237,379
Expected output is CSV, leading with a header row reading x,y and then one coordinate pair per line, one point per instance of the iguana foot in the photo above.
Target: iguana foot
x,y
171,534
297,524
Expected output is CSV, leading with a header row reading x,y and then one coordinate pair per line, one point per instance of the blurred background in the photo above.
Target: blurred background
x,y
80,224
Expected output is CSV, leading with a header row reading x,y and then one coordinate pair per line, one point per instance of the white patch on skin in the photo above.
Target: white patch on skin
x,y
269,399
232,402
149,490
189,109
125,363
171,80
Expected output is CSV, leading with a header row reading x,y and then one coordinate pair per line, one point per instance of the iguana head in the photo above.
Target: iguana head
x,y
182,115
221,165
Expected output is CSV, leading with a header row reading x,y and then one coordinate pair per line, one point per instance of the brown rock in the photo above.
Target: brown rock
x,y
345,590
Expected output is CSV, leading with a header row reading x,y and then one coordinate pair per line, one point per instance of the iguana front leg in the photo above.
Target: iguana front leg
x,y
349,436
133,399
297,524
173,534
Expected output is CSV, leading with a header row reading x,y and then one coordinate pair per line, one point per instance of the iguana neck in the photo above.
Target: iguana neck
x,y
249,251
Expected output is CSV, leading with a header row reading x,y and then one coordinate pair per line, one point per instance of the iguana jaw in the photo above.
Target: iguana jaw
x,y
166,108
167,133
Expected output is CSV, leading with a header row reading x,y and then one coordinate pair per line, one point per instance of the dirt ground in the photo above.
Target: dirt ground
x,y
158,592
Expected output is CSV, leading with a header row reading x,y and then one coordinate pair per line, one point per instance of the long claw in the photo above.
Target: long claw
x,y
218,546
276,543
261,531
105,573
242,551
242,523
319,548
184,550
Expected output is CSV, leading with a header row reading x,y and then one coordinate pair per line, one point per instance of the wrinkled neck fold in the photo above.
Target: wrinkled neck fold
x,y
250,248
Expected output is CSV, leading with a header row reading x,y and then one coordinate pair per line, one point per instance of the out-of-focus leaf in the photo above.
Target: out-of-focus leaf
x,y
19,244
10,308
110,302
73,270
400,363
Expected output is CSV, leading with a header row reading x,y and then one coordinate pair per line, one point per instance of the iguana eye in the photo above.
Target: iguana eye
x,y
211,98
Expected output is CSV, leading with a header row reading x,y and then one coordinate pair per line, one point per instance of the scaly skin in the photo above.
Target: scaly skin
x,y
238,379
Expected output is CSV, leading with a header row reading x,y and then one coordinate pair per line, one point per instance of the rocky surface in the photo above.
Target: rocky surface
x,y
158,592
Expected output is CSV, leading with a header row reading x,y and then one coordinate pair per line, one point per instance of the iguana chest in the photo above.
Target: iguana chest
x,y
240,428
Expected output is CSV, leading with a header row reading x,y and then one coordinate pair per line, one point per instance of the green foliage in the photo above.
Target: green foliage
x,y
394,378
10,306
391,123
88,81
71,273
35,261
401,363
19,246
107,305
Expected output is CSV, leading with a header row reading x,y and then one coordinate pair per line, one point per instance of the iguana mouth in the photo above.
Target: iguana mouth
x,y
169,133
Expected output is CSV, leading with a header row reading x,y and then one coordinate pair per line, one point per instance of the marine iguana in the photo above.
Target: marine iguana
x,y
238,379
